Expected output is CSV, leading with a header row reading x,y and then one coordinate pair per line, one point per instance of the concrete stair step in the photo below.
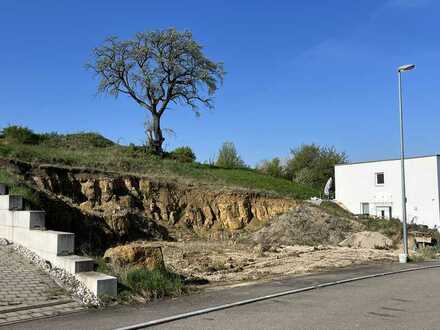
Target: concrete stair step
x,y
27,228
23,219
100,284
75,264
46,243
11,202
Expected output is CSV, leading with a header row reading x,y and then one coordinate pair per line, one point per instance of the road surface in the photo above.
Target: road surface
x,y
403,301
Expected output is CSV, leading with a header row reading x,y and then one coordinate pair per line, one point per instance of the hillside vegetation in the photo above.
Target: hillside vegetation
x,y
91,150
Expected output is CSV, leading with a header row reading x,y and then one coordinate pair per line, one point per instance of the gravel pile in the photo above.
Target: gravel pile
x,y
68,281
305,225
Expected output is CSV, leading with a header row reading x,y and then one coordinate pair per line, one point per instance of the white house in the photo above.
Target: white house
x,y
374,188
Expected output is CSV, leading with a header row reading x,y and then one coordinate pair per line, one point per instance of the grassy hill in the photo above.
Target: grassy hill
x,y
91,150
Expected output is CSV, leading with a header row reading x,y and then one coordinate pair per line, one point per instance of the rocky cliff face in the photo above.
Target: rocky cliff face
x,y
125,204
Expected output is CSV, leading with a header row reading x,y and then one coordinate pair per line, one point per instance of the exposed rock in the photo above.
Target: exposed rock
x,y
367,240
113,203
135,254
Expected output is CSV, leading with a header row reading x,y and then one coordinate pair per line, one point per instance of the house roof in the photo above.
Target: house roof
x,y
387,160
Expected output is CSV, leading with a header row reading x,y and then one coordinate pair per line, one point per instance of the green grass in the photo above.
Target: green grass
x,y
153,284
18,188
425,254
390,228
78,151
140,282
336,210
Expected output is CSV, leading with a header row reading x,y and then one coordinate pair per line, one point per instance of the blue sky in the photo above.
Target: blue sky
x,y
297,72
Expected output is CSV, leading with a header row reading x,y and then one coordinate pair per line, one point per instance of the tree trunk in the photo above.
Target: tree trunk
x,y
156,138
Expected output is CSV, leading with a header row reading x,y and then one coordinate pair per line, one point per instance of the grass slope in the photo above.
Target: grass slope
x,y
18,188
93,151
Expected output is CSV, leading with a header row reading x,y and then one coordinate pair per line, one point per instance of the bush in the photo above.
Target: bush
x,y
183,154
425,254
313,165
271,167
16,187
152,284
228,157
20,135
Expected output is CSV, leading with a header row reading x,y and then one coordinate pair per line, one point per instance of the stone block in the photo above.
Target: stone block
x,y
23,219
100,284
8,202
74,264
44,242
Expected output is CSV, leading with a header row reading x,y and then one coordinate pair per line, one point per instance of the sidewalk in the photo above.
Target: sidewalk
x,y
112,318
28,293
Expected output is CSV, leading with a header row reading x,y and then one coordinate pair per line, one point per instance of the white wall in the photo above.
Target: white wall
x,y
355,183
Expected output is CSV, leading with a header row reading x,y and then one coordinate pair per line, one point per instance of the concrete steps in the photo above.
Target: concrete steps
x,y
8,202
27,228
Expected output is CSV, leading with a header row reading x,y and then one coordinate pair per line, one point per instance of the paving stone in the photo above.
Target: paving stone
x,y
24,289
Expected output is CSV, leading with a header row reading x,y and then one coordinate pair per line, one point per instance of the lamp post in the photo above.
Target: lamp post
x,y
403,68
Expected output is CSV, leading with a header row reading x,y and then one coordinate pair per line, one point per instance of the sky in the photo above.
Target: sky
x,y
298,72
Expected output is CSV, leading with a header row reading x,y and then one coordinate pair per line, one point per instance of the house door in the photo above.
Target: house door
x,y
383,212
365,208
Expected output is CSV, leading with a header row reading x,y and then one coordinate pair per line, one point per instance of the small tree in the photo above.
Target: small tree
x,y
156,69
312,165
271,167
228,157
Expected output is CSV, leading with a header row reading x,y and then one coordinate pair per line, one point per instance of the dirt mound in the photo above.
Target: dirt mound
x,y
306,224
367,240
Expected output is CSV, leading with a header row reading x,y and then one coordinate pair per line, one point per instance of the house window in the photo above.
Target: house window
x,y
380,179
365,208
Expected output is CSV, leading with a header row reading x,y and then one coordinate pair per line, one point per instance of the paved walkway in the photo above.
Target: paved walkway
x,y
380,295
28,293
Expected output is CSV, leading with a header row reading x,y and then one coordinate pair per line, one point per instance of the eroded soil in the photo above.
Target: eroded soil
x,y
223,262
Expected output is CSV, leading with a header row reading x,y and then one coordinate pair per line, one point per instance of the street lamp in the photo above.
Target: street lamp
x,y
403,68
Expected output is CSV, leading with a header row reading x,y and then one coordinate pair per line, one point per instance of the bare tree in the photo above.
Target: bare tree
x,y
156,69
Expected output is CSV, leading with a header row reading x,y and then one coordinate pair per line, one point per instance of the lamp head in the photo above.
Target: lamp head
x,y
406,67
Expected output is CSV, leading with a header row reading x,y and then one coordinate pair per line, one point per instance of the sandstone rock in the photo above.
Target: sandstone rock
x,y
130,226
367,240
135,254
89,190
99,194
106,188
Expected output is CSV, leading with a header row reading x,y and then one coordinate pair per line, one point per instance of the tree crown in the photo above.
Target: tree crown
x,y
228,157
156,68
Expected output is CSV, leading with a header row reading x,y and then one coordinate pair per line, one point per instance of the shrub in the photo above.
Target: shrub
x,y
425,254
313,165
228,157
20,135
271,167
183,154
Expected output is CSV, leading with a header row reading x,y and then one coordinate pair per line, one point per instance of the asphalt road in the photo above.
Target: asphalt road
x,y
404,301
